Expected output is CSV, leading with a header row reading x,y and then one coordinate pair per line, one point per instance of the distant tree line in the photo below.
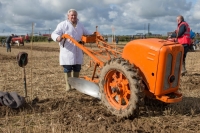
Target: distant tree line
x,y
122,38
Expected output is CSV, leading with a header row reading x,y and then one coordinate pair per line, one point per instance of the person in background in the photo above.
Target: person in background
x,y
133,37
192,37
117,40
8,41
192,34
27,38
3,41
71,57
49,39
182,34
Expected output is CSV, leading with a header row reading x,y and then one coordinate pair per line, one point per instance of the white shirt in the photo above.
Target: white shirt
x,y
70,54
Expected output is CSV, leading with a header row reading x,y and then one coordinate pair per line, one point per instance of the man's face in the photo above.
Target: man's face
x,y
72,16
178,20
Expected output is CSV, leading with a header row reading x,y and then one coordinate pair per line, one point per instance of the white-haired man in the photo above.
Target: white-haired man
x,y
71,57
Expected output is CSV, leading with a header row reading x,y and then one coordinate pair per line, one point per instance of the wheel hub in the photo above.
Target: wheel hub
x,y
117,90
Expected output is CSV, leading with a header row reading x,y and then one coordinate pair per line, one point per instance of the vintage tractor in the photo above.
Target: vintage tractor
x,y
123,77
17,40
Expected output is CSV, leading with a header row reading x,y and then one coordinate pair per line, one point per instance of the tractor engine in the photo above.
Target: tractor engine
x,y
159,62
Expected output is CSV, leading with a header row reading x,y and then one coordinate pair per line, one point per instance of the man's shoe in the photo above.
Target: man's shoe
x,y
183,69
67,75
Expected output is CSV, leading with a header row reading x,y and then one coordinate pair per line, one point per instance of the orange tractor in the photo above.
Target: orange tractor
x,y
124,77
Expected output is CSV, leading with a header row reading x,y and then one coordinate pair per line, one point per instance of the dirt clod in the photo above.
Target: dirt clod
x,y
55,110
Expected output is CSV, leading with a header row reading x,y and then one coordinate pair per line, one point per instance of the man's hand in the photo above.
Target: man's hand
x,y
59,39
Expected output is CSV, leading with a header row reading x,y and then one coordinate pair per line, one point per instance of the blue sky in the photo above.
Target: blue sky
x,y
128,18
193,1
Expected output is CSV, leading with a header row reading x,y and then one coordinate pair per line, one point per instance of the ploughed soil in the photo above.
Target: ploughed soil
x,y
49,108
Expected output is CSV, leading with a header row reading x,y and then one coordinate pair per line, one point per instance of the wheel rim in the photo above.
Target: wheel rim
x,y
117,89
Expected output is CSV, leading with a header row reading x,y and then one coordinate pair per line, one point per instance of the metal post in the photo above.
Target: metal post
x,y
25,90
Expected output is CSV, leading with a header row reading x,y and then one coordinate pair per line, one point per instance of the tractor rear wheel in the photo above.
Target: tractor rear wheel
x,y
120,87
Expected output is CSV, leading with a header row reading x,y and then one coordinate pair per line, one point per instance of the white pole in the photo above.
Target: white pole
x,y
112,34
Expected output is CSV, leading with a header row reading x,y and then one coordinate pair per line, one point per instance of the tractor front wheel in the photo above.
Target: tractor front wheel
x,y
120,87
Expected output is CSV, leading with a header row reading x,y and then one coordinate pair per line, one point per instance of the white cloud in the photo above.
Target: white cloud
x,y
129,17
112,14
196,13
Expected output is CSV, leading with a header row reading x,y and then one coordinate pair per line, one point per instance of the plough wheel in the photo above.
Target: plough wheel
x,y
119,85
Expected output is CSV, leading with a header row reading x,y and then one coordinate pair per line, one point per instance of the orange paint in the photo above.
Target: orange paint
x,y
159,63
150,57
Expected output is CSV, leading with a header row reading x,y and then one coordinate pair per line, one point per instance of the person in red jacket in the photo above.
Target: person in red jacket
x,y
182,35
27,38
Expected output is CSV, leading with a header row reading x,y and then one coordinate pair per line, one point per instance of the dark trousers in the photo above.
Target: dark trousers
x,y
8,47
186,49
69,68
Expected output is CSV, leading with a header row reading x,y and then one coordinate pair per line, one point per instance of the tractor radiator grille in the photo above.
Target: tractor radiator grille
x,y
176,71
168,70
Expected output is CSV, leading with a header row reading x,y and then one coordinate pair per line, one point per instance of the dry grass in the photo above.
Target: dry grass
x,y
61,112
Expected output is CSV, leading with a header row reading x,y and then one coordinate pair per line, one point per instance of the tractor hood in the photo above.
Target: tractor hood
x,y
150,57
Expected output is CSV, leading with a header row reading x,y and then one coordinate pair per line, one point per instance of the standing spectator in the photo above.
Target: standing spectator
x,y
192,34
117,40
27,38
8,41
71,57
192,37
133,37
49,39
3,42
183,37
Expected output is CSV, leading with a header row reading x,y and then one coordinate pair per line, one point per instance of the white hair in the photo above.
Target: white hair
x,y
71,10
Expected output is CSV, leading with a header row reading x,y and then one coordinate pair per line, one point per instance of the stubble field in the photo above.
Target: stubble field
x,y
49,108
